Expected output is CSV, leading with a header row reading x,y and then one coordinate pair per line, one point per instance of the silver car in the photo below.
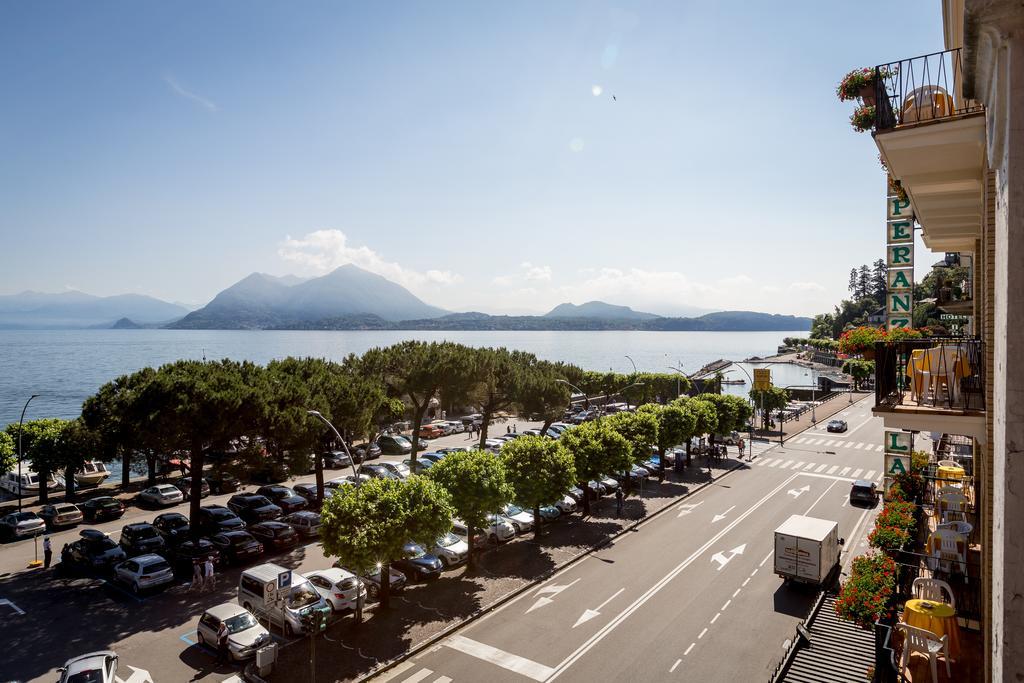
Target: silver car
x,y
451,550
95,667
245,633
521,520
305,522
161,494
144,572
22,524
399,469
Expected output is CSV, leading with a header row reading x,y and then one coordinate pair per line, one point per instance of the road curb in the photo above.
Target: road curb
x,y
445,632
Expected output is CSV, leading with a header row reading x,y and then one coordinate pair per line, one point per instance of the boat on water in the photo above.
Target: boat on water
x,y
27,483
92,473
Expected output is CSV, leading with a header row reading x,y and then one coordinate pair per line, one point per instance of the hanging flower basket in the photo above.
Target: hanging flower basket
x,y
863,118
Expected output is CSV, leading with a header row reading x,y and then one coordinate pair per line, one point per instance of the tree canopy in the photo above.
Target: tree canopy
x,y
596,449
540,471
8,453
677,424
773,399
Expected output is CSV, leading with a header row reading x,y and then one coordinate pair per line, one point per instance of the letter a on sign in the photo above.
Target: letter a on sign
x,y
897,442
896,464
900,279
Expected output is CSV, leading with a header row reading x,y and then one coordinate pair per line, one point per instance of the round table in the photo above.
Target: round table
x,y
950,473
937,617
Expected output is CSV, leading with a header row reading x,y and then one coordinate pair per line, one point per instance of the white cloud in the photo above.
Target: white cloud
x,y
737,281
596,90
179,90
636,287
536,273
324,250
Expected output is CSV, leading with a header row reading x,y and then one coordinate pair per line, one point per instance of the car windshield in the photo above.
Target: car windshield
x,y
413,551
240,622
258,501
302,595
449,539
24,516
65,509
240,539
156,568
513,510
89,676
284,492
102,544
222,514
175,522
402,441
107,503
145,532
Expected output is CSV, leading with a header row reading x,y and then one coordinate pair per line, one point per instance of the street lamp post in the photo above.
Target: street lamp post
x,y
21,422
750,435
634,364
352,463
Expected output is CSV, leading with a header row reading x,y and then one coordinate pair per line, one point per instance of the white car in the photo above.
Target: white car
x,y
399,469
339,587
451,550
522,521
499,530
445,427
144,572
162,494
95,667
245,633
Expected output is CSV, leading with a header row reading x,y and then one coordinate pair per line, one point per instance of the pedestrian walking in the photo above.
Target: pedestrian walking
x,y
515,428
47,552
197,575
209,580
222,643
618,502
508,429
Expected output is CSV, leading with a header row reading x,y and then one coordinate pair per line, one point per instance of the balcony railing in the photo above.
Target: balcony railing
x,y
932,374
920,89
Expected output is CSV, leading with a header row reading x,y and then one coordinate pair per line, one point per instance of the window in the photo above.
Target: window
x,y
156,568
133,567
319,581
210,621
251,585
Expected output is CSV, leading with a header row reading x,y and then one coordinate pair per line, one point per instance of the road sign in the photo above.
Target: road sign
x,y
762,379
284,579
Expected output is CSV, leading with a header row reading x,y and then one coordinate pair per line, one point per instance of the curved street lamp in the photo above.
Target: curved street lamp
x,y
634,364
21,421
352,463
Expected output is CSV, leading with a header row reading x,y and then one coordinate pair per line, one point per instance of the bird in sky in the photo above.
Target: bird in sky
x,y
614,99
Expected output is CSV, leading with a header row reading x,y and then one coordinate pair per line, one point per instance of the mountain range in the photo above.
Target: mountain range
x,y
347,298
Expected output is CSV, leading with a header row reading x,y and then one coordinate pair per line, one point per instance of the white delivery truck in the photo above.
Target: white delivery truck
x,y
807,549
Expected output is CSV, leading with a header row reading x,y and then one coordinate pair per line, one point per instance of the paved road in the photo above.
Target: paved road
x,y
690,596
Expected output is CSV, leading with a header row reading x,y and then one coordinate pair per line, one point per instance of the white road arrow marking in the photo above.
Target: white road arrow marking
x,y
591,613
12,606
718,518
796,493
138,676
687,508
721,558
544,591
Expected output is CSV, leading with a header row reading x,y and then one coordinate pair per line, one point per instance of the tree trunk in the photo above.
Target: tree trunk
x,y
418,413
318,464
196,488
536,522
661,464
385,585
126,469
547,425
484,424
471,558
69,483
150,468
586,499
688,461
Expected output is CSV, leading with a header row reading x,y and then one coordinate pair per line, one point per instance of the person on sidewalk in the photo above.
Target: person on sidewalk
x,y
47,552
197,576
222,644
618,501
209,579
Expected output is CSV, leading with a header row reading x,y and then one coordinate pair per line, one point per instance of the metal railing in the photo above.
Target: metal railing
x,y
946,373
920,89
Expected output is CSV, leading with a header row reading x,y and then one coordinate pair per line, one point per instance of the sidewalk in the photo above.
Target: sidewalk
x,y
822,413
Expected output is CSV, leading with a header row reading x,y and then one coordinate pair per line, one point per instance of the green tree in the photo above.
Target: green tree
x,y
705,416
503,378
40,446
76,444
596,450
122,421
676,425
478,487
8,454
540,471
823,326
368,525
640,430
859,370
773,399
543,396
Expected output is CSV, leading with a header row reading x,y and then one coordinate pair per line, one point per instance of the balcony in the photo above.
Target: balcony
x,y
933,141
934,385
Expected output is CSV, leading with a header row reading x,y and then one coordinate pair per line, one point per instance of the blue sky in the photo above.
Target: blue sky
x,y
458,148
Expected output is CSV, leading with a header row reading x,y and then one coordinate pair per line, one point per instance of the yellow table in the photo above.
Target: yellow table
x,y
949,473
937,617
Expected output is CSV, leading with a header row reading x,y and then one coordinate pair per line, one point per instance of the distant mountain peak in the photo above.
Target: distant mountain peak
x,y
597,309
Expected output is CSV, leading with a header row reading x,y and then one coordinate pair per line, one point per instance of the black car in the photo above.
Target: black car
x,y
417,564
142,538
236,547
173,526
214,519
363,451
253,508
576,493
308,491
94,551
187,553
101,509
633,475
275,535
863,492
337,459
223,483
184,484
283,497
378,472
836,426
394,445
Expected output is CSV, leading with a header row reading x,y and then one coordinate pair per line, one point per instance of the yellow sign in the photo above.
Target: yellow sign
x,y
762,379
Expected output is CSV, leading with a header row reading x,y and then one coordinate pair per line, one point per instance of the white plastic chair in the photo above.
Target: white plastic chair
x,y
950,552
948,463
927,643
934,589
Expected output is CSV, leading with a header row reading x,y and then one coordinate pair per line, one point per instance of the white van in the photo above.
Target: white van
x,y
258,593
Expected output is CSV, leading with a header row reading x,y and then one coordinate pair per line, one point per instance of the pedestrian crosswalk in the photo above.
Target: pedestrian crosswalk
x,y
423,675
825,468
834,443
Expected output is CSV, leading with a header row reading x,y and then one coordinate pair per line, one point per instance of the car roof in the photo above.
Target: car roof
x,y
92,534
137,525
226,610
149,558
861,483
84,662
332,574
302,513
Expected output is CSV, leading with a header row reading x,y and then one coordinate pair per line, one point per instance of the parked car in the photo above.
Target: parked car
x,y
576,493
246,634
493,445
275,535
444,426
145,572
371,579
95,667
567,505
431,457
184,484
430,431
61,515
836,426
305,522
299,599
101,509
399,469
340,588
378,472
417,564
184,554
253,508
531,432
213,519
366,451
457,426
863,492
308,491
161,495
420,466
451,550
94,551
448,450
221,482
283,497
498,530
550,513
237,547
21,525
141,538
348,480
522,521
173,526
335,460
392,444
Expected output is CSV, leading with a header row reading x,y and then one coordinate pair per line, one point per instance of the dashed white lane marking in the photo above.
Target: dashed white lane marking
x,y
787,464
766,558
870,475
442,679
860,445
715,618
505,660
418,676
832,470
753,572
801,439
830,442
688,649
857,472
737,592
727,603
761,463
821,468
745,582
702,633
776,462
676,664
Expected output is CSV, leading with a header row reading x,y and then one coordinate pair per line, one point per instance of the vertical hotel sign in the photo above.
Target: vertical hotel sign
x,y
899,241
898,449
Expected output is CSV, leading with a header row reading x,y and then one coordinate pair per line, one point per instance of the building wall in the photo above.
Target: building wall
x,y
985,324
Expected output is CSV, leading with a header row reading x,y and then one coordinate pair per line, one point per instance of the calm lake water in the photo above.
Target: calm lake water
x,y
66,366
